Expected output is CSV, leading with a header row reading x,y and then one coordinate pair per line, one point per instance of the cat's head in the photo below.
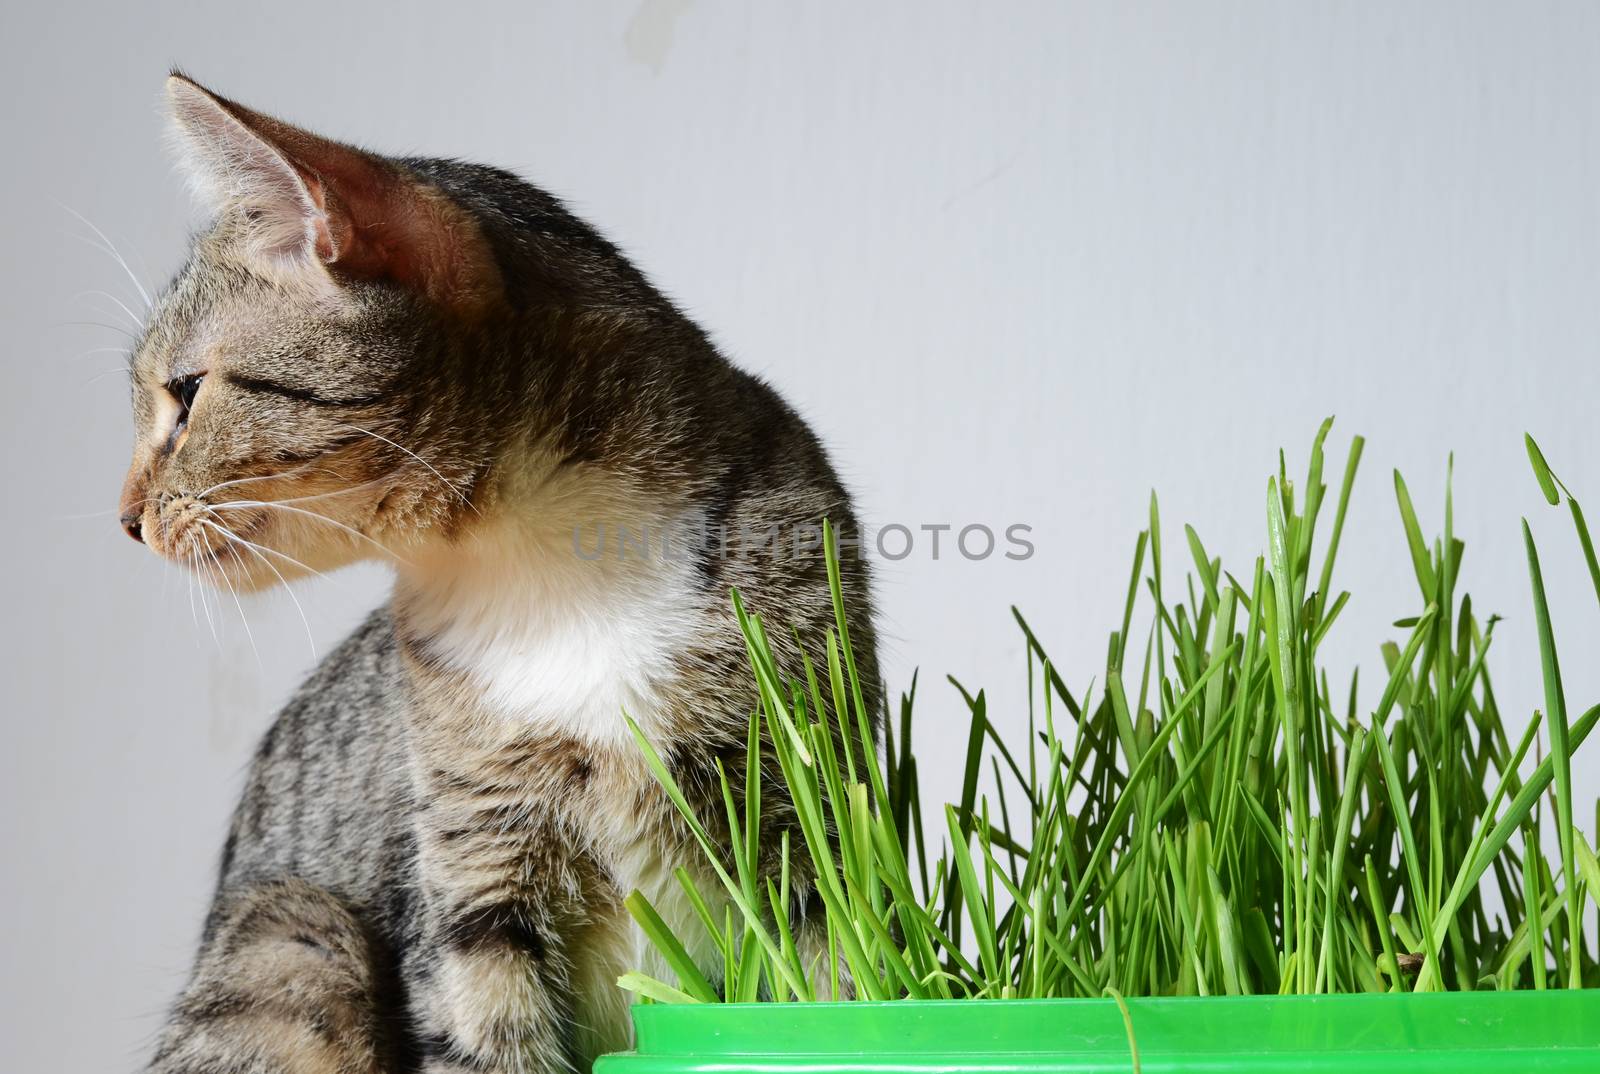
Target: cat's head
x,y
283,409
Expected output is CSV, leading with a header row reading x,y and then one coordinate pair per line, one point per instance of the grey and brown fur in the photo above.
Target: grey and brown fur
x,y
434,363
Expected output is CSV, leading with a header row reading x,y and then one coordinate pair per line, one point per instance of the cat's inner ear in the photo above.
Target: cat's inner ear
x,y
235,170
309,202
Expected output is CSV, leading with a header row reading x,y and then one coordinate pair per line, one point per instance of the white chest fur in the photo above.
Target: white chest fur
x,y
560,631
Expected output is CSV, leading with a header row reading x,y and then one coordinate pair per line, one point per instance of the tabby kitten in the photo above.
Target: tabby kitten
x,y
435,364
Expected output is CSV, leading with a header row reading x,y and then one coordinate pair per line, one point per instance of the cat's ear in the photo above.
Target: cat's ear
x,y
307,203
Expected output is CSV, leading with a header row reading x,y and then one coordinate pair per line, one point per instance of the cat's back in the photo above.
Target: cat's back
x,y
328,795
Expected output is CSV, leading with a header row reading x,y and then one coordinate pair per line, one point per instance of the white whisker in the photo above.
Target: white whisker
x,y
189,577
290,472
133,318
98,324
109,247
194,560
335,492
203,493
88,514
399,447
230,535
293,499
245,504
311,640
217,563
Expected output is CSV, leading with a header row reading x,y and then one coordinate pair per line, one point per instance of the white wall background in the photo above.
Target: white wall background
x,y
1017,263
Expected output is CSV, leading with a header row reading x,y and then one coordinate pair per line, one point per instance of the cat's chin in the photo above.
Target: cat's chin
x,y
232,563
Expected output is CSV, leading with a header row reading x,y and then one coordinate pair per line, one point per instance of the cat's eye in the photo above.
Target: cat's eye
x,y
184,389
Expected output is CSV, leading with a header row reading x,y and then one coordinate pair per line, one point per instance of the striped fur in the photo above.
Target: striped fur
x,y
434,364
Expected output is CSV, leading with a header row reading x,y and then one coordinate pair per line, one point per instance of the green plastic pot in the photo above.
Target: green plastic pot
x,y
1499,1032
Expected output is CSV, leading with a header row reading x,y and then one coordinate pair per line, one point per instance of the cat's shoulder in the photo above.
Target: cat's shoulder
x,y
357,683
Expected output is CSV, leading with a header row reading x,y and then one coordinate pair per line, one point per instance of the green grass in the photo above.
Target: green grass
x,y
1210,816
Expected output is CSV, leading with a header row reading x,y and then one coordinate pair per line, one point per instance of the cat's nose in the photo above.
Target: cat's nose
x,y
135,494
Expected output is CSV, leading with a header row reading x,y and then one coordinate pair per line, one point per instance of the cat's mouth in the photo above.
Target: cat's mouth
x,y
211,539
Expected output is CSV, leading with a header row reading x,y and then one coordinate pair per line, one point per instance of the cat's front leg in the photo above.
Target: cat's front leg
x,y
506,893
285,984
494,992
